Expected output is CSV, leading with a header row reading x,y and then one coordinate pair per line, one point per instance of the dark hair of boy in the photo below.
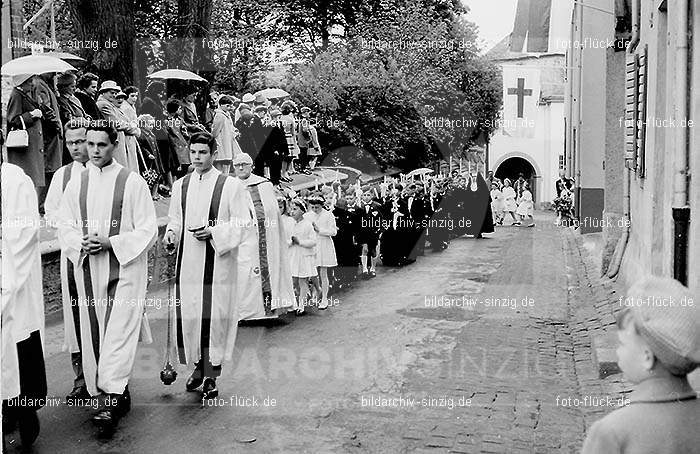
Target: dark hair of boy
x,y
100,126
205,138
225,99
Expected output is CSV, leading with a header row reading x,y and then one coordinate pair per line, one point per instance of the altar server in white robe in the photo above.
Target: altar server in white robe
x,y
76,143
208,216
264,277
108,224
23,370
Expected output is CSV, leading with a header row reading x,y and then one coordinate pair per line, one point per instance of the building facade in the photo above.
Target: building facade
x,y
648,138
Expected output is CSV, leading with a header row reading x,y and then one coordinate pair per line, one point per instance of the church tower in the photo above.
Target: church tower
x,y
529,138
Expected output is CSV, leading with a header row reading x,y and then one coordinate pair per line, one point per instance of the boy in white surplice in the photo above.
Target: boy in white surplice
x,y
208,215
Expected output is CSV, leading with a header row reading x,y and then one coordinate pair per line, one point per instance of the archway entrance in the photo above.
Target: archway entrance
x,y
511,168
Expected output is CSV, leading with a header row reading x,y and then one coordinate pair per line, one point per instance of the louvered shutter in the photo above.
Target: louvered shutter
x,y
631,111
636,112
642,72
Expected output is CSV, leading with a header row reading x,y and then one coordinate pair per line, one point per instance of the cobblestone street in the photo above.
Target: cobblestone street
x,y
488,349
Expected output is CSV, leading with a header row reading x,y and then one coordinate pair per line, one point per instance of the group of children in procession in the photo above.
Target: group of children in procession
x,y
506,201
333,228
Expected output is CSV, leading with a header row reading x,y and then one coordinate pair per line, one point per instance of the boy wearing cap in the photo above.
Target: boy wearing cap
x,y
659,345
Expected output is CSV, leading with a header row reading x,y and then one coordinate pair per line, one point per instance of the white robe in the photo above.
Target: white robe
x,y
113,313
250,270
69,296
206,271
22,294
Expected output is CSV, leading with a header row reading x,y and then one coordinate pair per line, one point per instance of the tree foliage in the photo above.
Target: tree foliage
x,y
404,83
399,82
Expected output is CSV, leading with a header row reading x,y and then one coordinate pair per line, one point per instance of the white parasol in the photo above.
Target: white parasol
x,y
421,172
272,93
35,64
181,74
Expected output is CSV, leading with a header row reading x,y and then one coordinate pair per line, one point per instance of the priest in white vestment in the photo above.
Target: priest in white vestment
x,y
76,143
23,370
107,225
209,215
265,286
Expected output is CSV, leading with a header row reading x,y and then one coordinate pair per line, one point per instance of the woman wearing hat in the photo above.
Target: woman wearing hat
x,y
23,112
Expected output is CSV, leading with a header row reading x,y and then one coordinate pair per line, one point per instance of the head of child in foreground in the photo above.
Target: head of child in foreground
x,y
658,331
297,209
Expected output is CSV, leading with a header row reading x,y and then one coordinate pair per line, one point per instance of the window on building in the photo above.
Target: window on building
x,y
635,111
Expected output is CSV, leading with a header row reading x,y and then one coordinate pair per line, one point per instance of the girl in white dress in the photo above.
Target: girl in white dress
x,y
302,253
288,223
526,205
497,204
323,223
509,205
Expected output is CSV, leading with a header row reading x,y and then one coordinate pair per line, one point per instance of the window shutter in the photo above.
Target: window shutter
x,y
642,71
636,112
631,111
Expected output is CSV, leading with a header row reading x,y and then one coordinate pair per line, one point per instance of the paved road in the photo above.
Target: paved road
x,y
388,369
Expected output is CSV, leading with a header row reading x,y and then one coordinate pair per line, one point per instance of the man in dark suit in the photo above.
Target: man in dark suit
x,y
418,214
563,182
271,145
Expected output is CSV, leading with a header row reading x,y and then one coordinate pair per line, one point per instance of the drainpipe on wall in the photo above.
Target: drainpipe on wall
x,y
616,262
681,208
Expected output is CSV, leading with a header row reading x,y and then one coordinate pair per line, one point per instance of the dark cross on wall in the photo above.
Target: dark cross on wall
x,y
521,92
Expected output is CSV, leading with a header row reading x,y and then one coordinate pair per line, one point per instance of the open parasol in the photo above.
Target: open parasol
x,y
35,64
421,172
180,74
272,93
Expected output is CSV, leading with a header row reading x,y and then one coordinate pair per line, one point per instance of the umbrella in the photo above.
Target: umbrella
x,y
35,64
181,74
422,171
65,56
272,93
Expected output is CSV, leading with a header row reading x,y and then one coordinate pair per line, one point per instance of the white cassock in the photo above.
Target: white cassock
x,y
22,294
207,313
264,274
111,285
69,294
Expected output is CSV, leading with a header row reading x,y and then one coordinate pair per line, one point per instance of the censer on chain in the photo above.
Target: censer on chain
x,y
168,375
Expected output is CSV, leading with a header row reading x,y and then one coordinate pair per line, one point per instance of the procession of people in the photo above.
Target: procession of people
x,y
246,245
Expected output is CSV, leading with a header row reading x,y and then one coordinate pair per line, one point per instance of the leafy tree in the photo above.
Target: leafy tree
x,y
404,86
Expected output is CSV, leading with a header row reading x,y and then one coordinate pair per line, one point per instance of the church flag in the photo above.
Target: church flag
x,y
521,94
